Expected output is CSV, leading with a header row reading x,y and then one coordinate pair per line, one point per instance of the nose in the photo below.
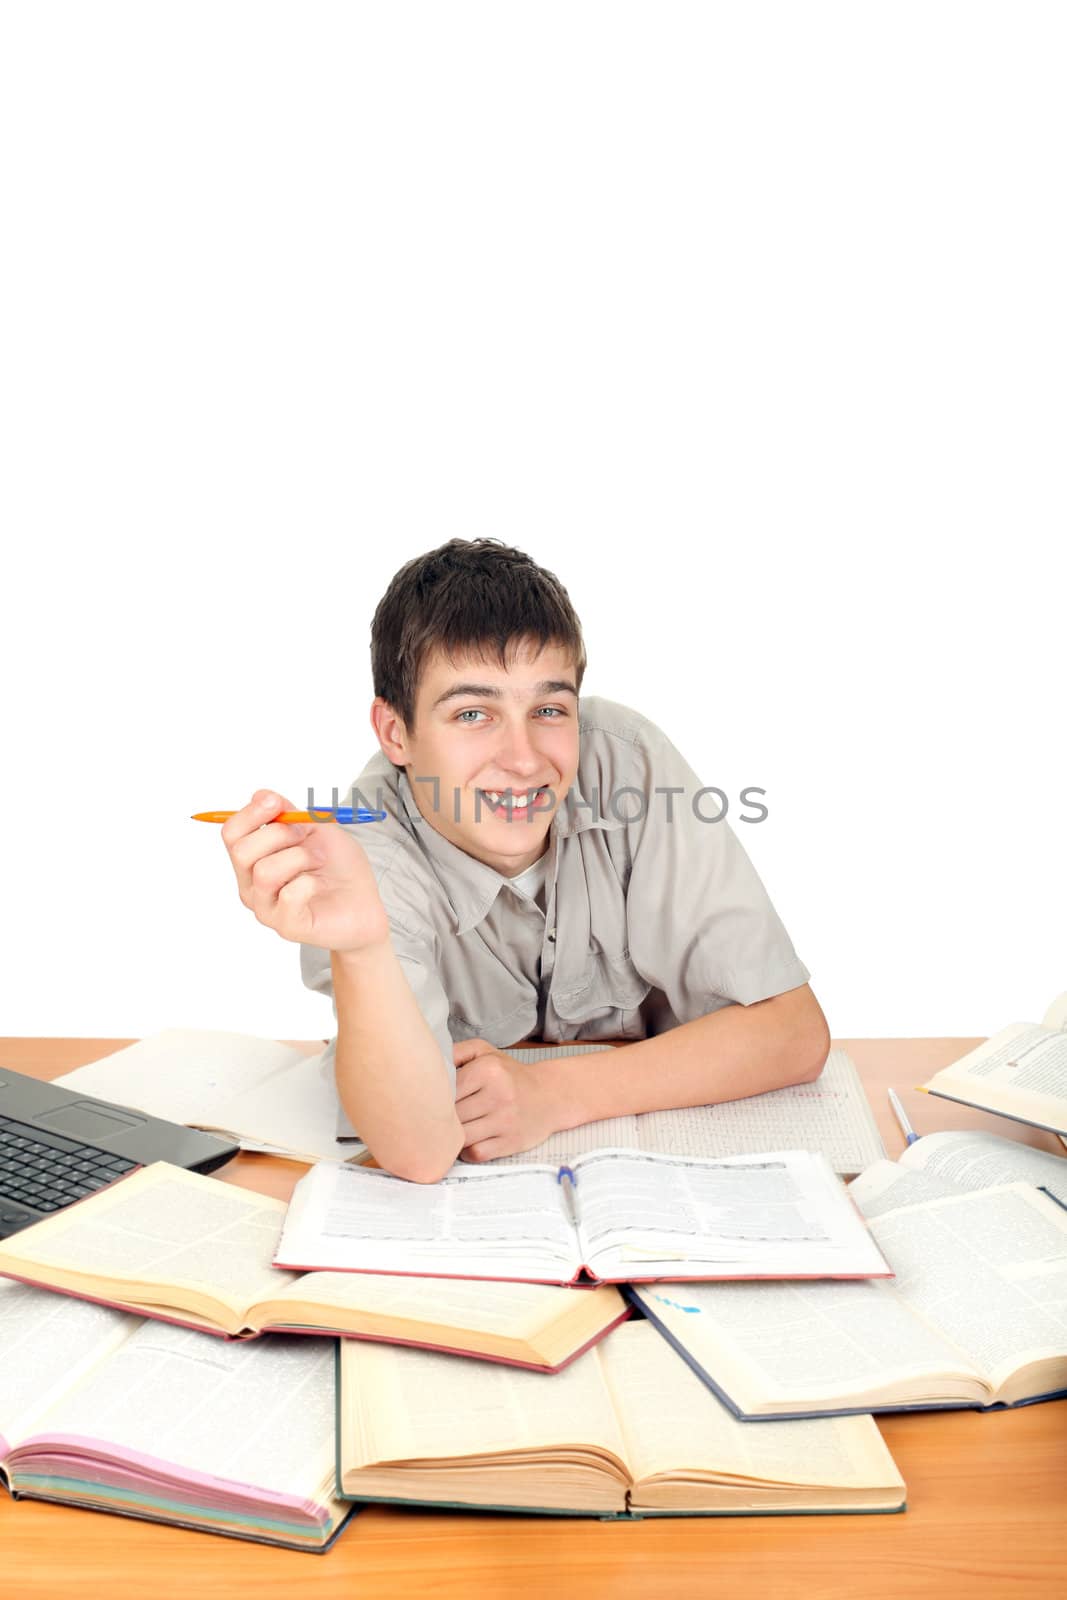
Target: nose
x,y
516,753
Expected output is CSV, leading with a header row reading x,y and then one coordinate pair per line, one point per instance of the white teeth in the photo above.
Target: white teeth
x,y
518,803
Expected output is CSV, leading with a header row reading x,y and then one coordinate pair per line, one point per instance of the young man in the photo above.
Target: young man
x,y
543,870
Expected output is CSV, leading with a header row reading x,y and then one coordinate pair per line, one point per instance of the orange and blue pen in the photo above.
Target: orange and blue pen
x,y
345,814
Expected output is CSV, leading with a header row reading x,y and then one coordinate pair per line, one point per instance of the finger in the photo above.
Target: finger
x,y
274,872
485,1149
469,1081
268,840
473,1107
487,1125
263,807
294,896
467,1049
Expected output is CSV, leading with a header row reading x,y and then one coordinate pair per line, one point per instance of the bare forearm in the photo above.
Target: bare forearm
x,y
732,1053
392,1082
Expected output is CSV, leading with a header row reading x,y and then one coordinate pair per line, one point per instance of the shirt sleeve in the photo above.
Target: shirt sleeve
x,y
700,924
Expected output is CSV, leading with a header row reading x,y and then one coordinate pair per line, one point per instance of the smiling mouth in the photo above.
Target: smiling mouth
x,y
508,802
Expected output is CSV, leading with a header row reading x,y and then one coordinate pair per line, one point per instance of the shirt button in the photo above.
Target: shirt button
x,y
551,936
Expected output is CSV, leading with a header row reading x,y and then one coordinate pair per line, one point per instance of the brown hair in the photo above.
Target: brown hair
x,y
469,595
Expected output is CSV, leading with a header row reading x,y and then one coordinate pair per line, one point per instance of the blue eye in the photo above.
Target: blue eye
x,y
554,712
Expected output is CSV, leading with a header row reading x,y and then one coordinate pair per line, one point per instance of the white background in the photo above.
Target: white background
x,y
748,321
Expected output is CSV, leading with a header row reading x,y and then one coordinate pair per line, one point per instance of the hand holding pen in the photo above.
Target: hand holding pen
x,y
311,883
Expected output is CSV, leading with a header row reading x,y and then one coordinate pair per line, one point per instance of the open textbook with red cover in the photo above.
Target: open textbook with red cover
x,y
612,1216
193,1250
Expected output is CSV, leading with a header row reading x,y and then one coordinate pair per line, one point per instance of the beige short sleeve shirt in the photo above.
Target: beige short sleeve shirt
x,y
653,916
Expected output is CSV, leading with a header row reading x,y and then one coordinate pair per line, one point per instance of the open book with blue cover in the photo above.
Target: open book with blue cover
x,y
974,1316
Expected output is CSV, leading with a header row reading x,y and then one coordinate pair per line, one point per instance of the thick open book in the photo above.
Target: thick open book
x,y
191,1249
265,1095
975,1316
614,1216
110,1413
831,1115
627,1430
1021,1072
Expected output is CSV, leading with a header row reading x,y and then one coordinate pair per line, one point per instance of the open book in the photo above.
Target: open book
x,y
104,1411
191,1249
1021,1072
265,1095
976,1316
615,1216
831,1115
950,1163
626,1430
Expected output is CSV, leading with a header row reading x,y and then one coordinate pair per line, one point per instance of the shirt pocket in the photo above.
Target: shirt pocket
x,y
609,993
500,1028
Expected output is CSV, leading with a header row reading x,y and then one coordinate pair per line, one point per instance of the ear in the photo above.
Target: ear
x,y
391,732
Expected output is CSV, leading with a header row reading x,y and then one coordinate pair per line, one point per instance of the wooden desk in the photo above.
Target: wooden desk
x,y
985,1493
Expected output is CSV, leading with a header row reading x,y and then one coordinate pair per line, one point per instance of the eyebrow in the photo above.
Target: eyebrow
x,y
488,691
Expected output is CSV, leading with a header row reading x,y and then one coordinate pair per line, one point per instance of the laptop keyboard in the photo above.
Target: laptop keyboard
x,y
43,1172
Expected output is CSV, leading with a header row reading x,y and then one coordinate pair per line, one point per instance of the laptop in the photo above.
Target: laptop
x,y
58,1146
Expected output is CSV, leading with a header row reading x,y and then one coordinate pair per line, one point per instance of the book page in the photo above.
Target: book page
x,y
805,1346
265,1094
417,1405
673,1424
1021,1071
1056,1015
831,1115
48,1341
161,1226
476,1222
182,1073
563,1149
518,1309
984,1161
294,1111
886,1186
988,1270
658,1215
258,1415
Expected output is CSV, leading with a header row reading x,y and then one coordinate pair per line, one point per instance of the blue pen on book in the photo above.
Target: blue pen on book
x,y
901,1115
568,1182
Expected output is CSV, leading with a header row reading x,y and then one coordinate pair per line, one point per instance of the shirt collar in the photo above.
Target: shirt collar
x,y
577,814
471,886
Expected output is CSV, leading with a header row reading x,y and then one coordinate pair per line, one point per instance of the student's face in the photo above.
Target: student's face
x,y
482,729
